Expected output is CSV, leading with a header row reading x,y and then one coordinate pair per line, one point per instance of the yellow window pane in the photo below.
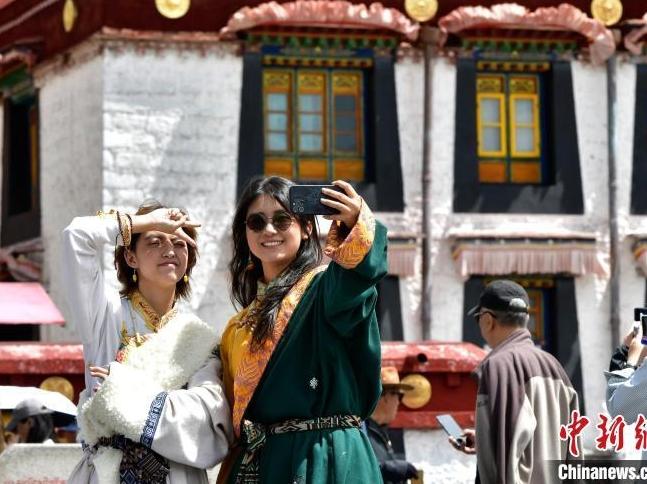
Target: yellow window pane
x,y
492,172
524,140
490,139
313,170
491,125
525,172
278,167
524,114
491,110
351,170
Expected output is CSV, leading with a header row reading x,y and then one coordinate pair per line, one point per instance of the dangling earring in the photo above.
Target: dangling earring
x,y
134,275
250,264
186,279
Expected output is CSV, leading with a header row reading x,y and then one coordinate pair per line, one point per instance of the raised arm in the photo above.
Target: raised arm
x,y
82,272
357,247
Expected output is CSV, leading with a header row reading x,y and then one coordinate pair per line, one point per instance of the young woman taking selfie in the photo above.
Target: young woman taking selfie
x,y
153,409
301,360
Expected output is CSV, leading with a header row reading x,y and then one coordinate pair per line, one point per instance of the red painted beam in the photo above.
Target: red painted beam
x,y
41,358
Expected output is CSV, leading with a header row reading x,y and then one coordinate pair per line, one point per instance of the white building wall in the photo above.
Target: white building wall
x,y
592,294
171,120
429,450
409,83
71,136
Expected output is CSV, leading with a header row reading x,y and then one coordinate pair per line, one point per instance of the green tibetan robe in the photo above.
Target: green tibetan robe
x,y
325,362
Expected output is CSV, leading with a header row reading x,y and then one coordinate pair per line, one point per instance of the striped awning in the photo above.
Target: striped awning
x,y
501,256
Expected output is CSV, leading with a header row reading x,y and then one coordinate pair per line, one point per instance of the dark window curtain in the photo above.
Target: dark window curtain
x,y
389,314
471,292
466,169
386,194
21,171
563,196
639,173
567,342
250,139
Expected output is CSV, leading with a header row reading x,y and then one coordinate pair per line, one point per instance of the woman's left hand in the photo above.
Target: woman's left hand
x,y
99,372
348,203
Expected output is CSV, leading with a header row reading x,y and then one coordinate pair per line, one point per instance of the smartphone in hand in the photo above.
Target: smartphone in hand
x,y
306,200
451,427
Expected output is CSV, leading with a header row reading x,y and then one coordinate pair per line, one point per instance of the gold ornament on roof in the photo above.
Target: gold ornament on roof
x,y
172,8
421,10
69,15
421,393
60,385
606,11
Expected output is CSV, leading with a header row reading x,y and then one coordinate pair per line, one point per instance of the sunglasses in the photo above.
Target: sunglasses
x,y
257,222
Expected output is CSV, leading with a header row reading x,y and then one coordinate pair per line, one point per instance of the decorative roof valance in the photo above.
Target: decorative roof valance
x,y
322,13
401,258
482,256
512,16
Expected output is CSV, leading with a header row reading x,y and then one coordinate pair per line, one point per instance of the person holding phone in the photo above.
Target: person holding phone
x,y
524,395
627,379
630,353
153,409
302,358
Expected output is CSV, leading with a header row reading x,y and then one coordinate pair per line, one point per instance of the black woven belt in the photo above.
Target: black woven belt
x,y
139,464
254,436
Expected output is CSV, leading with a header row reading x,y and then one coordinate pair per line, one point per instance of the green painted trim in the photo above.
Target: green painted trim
x,y
14,79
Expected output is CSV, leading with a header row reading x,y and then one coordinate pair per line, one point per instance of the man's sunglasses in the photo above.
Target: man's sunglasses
x,y
257,222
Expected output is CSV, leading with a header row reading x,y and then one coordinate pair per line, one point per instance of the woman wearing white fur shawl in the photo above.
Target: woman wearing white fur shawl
x,y
153,409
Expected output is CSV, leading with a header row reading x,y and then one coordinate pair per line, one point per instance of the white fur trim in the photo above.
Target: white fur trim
x,y
176,352
106,465
165,362
123,401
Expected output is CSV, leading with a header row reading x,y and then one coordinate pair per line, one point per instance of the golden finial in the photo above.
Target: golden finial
x,y
172,8
421,10
607,11
69,15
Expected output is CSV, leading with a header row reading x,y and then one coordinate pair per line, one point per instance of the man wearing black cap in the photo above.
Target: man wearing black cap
x,y
524,395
